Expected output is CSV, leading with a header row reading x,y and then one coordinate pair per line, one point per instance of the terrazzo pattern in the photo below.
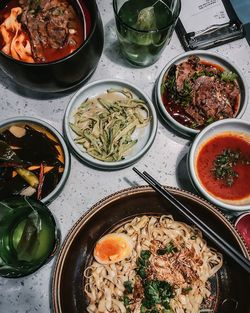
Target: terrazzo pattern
x,y
85,186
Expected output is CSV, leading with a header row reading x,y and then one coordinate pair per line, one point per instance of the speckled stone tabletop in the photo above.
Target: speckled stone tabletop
x,y
85,186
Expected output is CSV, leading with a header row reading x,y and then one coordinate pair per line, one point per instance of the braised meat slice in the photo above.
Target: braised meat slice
x,y
185,70
212,98
50,24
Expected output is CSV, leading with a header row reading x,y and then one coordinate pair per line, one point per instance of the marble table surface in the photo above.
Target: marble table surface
x,y
85,186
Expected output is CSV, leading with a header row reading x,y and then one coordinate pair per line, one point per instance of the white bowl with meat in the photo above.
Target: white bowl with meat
x,y
198,88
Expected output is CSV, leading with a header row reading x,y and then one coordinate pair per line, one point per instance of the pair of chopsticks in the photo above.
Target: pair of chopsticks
x,y
223,245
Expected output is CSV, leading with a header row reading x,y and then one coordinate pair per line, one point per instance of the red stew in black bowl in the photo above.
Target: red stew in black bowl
x,y
43,30
196,93
50,45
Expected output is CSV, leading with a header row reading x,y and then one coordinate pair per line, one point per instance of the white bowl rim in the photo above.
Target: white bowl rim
x,y
110,165
67,161
191,157
166,115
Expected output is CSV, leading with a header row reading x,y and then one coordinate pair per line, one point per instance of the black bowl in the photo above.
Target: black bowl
x,y
65,73
231,284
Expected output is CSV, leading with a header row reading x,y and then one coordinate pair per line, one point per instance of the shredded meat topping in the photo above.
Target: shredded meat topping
x,y
175,267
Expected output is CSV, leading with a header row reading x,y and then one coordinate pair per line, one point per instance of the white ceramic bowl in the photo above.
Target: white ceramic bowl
x,y
145,136
211,58
214,129
44,125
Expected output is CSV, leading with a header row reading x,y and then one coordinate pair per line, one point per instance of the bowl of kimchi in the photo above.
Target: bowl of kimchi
x,y
50,45
198,88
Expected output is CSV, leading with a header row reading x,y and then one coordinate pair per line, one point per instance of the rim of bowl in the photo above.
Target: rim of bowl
x,y
240,217
151,31
67,161
64,58
191,159
91,160
178,126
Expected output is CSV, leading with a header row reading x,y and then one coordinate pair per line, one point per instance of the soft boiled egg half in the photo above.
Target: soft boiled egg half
x,y
113,248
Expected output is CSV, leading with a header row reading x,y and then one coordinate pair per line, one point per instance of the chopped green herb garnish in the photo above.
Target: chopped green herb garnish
x,y
223,166
143,309
228,76
128,286
170,248
210,120
142,263
157,292
145,254
198,74
186,290
185,95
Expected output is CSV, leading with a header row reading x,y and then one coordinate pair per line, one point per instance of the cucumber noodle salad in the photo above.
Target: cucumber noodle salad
x,y
105,125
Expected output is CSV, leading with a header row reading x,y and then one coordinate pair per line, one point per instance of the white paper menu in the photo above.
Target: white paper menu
x,y
198,15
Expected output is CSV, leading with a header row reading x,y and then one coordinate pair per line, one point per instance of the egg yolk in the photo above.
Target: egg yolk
x,y
109,248
113,248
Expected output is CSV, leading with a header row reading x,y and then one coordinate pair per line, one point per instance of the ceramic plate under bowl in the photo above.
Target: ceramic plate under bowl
x,y
230,286
208,57
223,126
53,134
145,135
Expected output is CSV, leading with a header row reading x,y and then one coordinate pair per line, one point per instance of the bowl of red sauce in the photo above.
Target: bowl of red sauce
x,y
50,45
219,164
198,88
242,224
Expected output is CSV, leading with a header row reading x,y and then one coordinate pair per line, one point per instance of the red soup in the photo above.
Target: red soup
x,y
223,166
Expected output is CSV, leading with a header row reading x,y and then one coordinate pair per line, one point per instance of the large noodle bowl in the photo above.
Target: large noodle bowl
x,y
168,270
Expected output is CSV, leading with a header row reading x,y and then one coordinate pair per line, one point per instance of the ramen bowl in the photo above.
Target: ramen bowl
x,y
175,115
218,164
42,151
65,73
228,287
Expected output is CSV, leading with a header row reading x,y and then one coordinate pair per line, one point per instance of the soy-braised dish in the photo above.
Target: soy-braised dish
x,y
39,31
31,162
196,93
223,167
105,125
152,265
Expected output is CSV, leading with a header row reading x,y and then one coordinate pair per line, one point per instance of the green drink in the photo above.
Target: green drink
x,y
28,236
145,27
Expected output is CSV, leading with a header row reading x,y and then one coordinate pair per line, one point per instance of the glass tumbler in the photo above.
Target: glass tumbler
x,y
145,27
28,236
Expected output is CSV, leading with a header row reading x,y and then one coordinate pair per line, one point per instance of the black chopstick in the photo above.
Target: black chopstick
x,y
191,217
